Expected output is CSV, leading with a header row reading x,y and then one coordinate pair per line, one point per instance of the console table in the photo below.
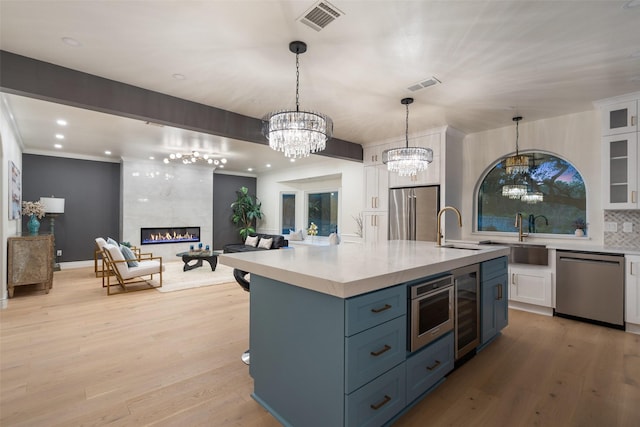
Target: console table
x,y
30,261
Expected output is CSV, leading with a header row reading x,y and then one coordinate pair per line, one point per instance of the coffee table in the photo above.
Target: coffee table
x,y
198,256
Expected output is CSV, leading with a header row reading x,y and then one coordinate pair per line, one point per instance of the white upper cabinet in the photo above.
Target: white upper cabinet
x,y
376,183
620,161
620,118
372,154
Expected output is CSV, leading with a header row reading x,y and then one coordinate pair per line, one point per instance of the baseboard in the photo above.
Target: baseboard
x,y
633,328
531,308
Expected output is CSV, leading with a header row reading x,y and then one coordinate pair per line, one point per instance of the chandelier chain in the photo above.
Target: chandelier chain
x,y
406,127
297,83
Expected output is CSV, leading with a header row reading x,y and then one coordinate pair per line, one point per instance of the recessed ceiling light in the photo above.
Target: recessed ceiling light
x,y
268,165
71,41
107,152
250,169
151,158
59,136
57,145
61,122
179,76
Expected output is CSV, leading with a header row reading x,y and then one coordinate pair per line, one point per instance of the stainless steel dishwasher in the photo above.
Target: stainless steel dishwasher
x,y
590,285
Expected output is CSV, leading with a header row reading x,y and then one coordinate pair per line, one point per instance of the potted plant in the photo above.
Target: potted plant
x,y
246,210
580,226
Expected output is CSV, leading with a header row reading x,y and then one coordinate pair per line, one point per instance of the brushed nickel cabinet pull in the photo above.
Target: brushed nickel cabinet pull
x,y
434,366
633,196
384,350
513,278
633,120
499,288
381,309
377,406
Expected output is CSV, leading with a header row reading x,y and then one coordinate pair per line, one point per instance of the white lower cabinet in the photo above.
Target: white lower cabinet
x,y
530,284
375,226
632,291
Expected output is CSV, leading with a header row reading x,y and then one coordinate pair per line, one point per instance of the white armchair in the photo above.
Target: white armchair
x,y
117,269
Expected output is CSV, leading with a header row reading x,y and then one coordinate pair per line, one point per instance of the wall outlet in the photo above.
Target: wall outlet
x,y
59,252
610,226
627,227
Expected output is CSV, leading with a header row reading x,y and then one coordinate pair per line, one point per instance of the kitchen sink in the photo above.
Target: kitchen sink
x,y
461,246
524,253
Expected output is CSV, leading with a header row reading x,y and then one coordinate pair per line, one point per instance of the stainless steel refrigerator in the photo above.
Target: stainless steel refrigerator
x,y
413,213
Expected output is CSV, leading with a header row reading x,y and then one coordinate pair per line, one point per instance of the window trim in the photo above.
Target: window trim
x,y
319,191
281,208
486,172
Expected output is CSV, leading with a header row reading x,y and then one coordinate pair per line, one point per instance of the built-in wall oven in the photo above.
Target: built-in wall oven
x,y
467,303
431,308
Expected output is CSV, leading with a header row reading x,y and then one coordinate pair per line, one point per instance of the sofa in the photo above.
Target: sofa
x,y
278,241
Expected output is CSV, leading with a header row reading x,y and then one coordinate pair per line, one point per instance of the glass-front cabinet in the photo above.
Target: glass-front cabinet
x,y
620,118
620,168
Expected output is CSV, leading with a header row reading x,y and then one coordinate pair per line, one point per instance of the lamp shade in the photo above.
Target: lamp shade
x,y
52,205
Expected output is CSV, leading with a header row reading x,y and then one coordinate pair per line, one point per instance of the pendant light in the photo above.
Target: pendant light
x,y
407,161
518,163
294,132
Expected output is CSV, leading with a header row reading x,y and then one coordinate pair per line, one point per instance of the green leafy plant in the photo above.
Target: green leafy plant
x,y
246,210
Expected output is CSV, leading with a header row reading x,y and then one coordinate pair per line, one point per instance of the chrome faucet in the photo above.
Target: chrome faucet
x,y
438,229
518,225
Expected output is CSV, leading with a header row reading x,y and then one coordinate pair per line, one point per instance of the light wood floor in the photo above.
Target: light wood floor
x,y
77,357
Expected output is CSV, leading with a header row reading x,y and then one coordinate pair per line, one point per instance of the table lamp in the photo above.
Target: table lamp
x,y
52,208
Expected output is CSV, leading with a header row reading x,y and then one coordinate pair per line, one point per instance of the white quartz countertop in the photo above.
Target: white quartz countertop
x,y
348,270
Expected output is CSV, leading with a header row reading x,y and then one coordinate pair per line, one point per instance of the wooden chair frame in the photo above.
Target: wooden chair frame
x,y
111,272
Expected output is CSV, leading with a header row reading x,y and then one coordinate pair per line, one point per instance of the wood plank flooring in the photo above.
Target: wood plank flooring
x,y
77,357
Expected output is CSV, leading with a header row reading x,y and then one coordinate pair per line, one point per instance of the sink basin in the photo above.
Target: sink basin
x,y
525,253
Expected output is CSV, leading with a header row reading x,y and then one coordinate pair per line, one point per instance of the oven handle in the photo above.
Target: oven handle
x,y
433,292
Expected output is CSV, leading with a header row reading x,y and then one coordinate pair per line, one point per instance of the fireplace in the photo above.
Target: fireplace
x,y
153,236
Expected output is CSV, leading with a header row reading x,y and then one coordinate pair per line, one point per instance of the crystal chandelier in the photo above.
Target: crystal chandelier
x,y
532,197
297,133
514,191
407,161
518,163
195,157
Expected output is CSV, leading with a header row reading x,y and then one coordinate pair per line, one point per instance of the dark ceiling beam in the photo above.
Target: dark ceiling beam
x,y
29,77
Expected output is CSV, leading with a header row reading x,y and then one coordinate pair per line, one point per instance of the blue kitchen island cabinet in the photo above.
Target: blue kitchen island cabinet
x,y
318,360
328,330
494,299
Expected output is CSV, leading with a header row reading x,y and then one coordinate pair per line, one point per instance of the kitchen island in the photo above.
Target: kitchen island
x,y
328,328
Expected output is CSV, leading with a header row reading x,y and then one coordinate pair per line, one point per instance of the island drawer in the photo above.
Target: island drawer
x,y
428,366
374,351
493,268
366,311
377,402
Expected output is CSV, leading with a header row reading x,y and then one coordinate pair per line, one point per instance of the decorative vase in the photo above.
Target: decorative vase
x,y
579,232
33,225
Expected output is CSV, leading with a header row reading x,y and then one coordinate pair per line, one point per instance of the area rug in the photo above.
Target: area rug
x,y
174,279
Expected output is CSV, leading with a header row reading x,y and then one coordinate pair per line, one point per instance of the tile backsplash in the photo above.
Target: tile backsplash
x,y
621,238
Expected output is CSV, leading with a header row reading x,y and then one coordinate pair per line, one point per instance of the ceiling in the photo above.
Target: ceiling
x,y
494,59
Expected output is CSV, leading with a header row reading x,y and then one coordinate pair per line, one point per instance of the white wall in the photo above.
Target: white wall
x,y
347,176
11,151
574,137
159,195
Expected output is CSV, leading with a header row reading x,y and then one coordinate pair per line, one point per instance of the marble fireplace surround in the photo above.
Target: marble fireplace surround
x,y
155,195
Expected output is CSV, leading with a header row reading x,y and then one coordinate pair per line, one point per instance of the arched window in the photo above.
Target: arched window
x,y
555,200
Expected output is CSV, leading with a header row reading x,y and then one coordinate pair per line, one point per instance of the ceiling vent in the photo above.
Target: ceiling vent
x,y
320,15
431,81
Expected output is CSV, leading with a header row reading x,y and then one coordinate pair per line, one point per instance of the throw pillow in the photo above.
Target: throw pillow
x,y
252,241
112,242
295,236
128,254
265,243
